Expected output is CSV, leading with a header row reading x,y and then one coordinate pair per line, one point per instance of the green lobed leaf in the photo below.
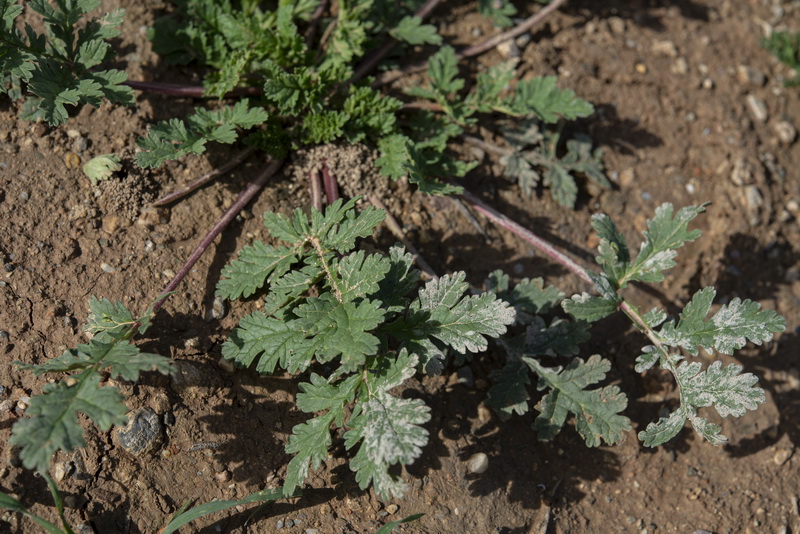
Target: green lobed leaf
x,y
310,440
400,280
320,394
541,97
411,30
101,167
664,235
256,264
53,424
462,322
269,341
340,328
528,297
596,411
175,138
442,70
361,274
500,11
663,430
586,307
390,432
729,329
727,389
509,392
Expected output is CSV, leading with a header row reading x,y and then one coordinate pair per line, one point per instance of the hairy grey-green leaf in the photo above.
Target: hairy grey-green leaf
x,y
509,392
310,440
528,297
586,307
666,232
390,432
52,423
256,263
596,411
663,430
729,329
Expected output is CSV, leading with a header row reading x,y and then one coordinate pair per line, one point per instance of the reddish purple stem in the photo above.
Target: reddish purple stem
x,y
316,189
193,91
203,180
331,187
543,246
246,195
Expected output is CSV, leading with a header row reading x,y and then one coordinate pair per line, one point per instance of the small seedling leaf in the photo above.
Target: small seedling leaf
x,y
101,167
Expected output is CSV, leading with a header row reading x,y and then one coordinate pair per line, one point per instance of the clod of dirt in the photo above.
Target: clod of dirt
x,y
353,166
143,433
187,375
127,195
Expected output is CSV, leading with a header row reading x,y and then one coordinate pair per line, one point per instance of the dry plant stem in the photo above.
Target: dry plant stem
x,y
487,147
192,91
246,195
375,57
203,180
394,227
479,48
543,246
516,31
316,189
311,31
329,181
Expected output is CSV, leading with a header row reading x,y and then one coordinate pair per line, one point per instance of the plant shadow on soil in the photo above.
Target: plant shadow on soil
x,y
640,11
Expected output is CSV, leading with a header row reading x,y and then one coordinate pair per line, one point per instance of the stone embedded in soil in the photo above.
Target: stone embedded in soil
x,y
758,108
785,131
478,463
665,48
144,432
782,456
392,509
750,76
187,375
617,25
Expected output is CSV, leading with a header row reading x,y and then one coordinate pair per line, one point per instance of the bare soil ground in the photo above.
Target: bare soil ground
x,y
678,119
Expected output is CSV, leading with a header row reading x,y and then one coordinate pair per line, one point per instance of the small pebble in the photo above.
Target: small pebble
x,y
80,144
217,311
758,108
617,25
392,509
666,48
478,463
750,76
149,246
782,456
785,131
680,66
226,365
72,160
24,196
107,268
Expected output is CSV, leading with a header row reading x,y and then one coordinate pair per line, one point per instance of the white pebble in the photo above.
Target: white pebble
x,y
478,463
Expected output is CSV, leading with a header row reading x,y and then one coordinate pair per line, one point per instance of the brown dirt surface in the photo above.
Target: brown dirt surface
x,y
675,118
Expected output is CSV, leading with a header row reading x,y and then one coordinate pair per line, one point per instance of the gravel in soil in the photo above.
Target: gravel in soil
x,y
689,109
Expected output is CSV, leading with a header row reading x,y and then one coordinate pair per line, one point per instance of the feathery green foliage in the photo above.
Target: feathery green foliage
x,y
60,66
535,342
534,161
53,423
355,314
727,389
786,47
